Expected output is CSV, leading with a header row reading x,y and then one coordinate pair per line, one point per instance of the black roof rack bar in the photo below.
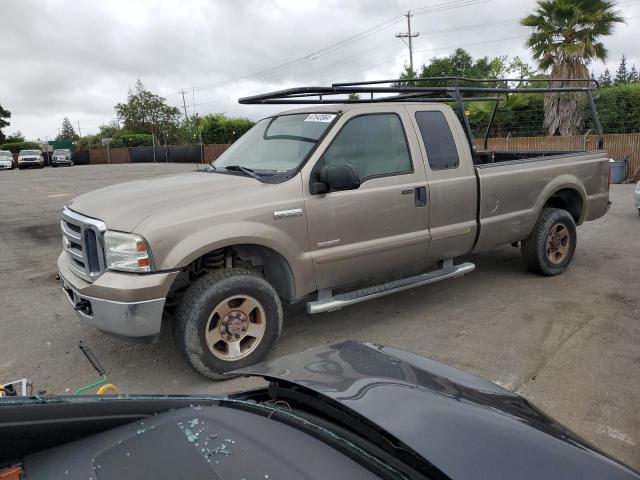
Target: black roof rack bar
x,y
285,96
397,92
588,81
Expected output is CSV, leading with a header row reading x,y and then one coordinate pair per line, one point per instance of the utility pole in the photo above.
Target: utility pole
x,y
79,131
408,35
184,103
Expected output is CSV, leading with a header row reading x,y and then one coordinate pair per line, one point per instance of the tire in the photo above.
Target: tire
x,y
235,291
549,249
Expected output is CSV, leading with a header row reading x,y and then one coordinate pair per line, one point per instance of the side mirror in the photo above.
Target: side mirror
x,y
339,177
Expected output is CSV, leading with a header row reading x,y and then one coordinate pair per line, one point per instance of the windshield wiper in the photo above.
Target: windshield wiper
x,y
239,168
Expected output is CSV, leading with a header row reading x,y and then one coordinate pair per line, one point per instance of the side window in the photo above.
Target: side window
x,y
438,140
374,145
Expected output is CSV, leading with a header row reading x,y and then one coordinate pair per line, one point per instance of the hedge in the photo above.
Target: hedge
x,y
15,147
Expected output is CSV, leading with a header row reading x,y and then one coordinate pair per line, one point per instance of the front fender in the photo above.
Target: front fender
x,y
290,246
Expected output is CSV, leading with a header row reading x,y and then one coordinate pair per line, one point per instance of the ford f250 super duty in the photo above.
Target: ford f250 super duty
x,y
331,204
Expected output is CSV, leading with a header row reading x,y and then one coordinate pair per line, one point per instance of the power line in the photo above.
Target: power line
x,y
343,43
433,50
440,7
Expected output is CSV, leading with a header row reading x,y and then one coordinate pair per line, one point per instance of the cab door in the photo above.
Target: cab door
x,y
380,228
452,180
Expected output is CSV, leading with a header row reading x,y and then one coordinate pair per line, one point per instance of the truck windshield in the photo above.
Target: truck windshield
x,y
62,151
277,144
5,155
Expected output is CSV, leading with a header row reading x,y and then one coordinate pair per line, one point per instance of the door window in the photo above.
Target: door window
x,y
438,140
374,145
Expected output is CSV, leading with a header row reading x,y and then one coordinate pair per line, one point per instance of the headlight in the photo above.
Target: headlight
x,y
638,187
127,252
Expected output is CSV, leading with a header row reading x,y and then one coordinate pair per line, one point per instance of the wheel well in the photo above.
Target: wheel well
x,y
264,260
567,199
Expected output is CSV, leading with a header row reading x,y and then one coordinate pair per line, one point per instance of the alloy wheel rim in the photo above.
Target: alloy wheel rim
x,y
235,327
558,243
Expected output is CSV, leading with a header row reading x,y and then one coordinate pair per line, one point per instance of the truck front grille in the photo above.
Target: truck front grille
x,y
83,244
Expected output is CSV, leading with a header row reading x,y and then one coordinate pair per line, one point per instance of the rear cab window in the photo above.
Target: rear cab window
x,y
438,140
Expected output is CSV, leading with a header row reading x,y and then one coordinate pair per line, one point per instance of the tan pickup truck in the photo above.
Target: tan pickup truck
x,y
329,204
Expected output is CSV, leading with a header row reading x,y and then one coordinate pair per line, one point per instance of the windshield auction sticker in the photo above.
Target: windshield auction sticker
x,y
320,117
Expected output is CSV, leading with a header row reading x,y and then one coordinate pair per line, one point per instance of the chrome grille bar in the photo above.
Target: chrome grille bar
x,y
82,239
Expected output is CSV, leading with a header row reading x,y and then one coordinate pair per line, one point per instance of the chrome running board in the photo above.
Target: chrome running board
x,y
327,303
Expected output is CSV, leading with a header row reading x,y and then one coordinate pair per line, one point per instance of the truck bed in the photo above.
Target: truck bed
x,y
512,192
490,156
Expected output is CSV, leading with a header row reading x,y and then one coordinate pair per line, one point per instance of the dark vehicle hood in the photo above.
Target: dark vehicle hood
x,y
465,426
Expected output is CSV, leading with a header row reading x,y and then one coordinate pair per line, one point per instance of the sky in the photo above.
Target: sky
x,y
66,58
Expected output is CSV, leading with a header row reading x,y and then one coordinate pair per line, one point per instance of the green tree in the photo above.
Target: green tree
x,y
219,128
4,115
461,64
188,131
146,112
66,131
622,75
633,75
566,37
605,78
109,130
15,137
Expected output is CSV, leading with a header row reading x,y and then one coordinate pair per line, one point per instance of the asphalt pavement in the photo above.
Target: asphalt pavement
x,y
570,344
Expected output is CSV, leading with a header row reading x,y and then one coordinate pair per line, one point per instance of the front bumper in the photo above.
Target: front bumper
x,y
134,307
56,161
6,166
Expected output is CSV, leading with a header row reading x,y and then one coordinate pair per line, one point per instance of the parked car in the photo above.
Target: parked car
x,y
6,160
30,158
637,197
345,411
61,156
331,205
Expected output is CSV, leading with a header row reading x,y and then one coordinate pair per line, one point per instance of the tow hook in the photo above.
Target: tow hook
x,y
82,304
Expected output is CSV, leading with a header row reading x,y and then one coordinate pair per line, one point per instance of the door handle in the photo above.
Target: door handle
x,y
421,196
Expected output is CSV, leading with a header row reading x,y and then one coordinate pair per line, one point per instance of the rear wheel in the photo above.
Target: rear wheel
x,y
549,249
228,319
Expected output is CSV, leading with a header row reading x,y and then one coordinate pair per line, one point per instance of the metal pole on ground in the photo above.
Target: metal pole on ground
x,y
153,142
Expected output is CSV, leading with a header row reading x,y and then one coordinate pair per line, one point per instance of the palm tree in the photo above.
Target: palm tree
x,y
566,38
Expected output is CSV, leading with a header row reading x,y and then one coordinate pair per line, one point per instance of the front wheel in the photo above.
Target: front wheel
x,y
227,319
549,249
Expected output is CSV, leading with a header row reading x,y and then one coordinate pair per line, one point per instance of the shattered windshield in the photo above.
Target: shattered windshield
x,y
277,144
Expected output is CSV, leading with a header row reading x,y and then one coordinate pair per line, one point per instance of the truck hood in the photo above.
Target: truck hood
x,y
123,206
465,426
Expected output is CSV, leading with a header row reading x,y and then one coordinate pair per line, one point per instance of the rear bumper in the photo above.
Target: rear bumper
x,y
126,305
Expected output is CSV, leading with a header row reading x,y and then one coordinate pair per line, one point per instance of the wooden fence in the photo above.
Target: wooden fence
x,y
99,156
618,145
